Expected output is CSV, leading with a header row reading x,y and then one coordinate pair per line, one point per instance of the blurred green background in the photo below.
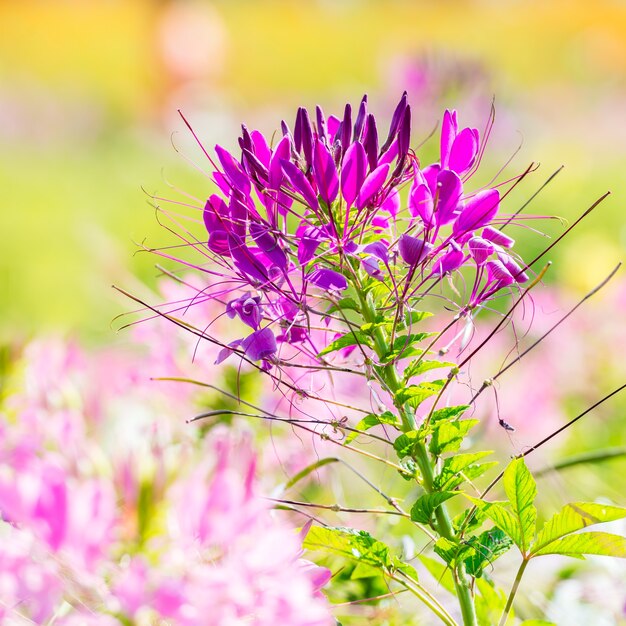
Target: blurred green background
x,y
88,123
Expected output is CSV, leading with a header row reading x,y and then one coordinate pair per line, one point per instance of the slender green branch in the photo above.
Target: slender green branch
x,y
597,456
516,582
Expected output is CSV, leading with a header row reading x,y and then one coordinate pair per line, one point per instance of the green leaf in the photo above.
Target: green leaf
x,y
457,469
352,338
448,436
423,509
537,622
412,317
440,572
405,346
579,544
308,469
345,304
501,517
355,545
490,603
414,395
405,443
371,420
573,517
521,490
452,552
488,546
419,366
448,413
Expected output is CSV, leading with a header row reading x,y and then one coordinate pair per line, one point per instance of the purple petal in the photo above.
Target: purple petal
x,y
238,215
478,212
282,151
413,250
390,154
498,237
247,308
246,260
353,169
480,249
310,239
226,351
464,150
378,249
372,267
300,184
449,190
260,345
321,122
233,170
513,268
360,119
268,243
372,185
404,134
261,147
325,173
421,204
396,120
329,280
498,273
332,125
449,128
450,261
391,203
346,129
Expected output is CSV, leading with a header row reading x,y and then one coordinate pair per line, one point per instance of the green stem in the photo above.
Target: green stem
x,y
422,457
509,602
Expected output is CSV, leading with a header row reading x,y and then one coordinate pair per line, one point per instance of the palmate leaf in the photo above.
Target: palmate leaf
x,y
405,444
575,516
521,490
423,509
580,544
371,420
414,395
488,546
448,413
420,366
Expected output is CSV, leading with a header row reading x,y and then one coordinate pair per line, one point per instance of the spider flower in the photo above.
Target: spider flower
x,y
334,204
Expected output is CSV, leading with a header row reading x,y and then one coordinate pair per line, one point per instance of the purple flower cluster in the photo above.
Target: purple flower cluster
x,y
297,223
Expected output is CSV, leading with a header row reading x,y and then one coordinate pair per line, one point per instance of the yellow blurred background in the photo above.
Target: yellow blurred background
x,y
88,125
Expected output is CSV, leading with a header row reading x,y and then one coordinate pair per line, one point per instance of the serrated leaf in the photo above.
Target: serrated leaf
x,y
414,395
420,366
448,436
452,552
580,544
440,572
345,304
352,338
405,346
501,517
423,509
488,546
371,420
477,520
405,443
459,468
308,469
448,413
521,490
355,545
573,517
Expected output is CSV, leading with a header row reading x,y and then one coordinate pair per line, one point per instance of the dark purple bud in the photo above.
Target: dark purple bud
x,y
448,133
248,309
346,128
353,170
233,171
300,184
480,249
372,185
360,119
321,122
478,212
449,190
284,128
260,345
370,141
325,173
268,244
398,115
413,250
328,280
404,134
245,141
297,131
255,168
307,137
498,237
450,261
519,276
